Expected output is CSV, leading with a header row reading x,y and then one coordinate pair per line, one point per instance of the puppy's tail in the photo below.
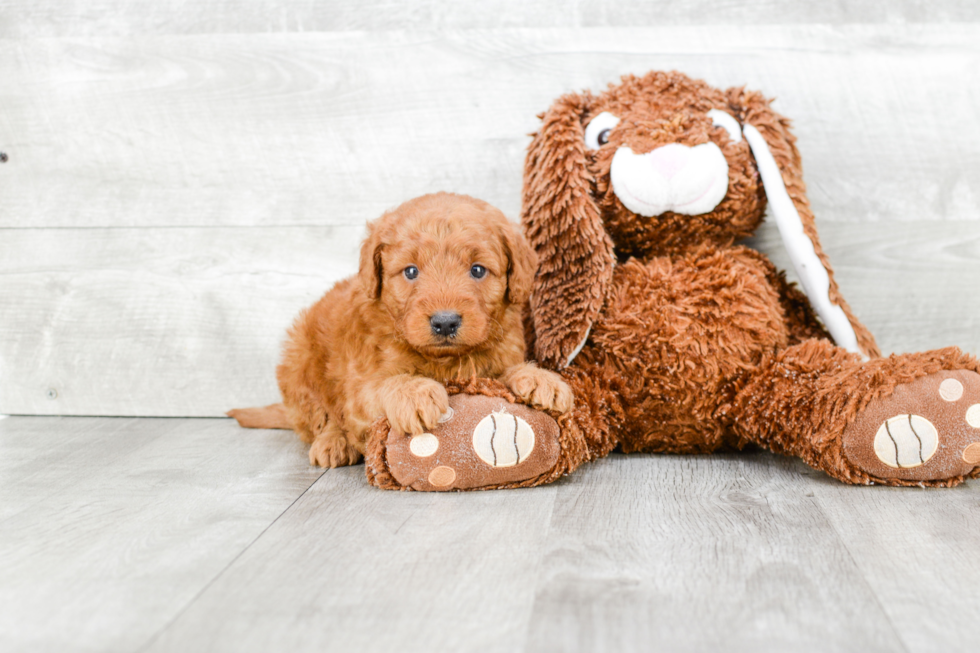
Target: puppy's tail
x,y
272,416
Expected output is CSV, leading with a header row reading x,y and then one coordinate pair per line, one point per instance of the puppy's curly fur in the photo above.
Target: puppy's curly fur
x,y
369,346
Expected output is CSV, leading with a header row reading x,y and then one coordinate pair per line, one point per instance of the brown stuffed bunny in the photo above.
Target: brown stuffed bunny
x,y
675,339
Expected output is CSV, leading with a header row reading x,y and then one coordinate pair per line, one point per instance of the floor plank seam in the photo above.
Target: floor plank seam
x,y
224,569
864,578
41,498
539,577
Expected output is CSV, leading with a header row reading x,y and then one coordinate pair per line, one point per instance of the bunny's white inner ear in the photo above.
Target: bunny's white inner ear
x,y
727,122
813,275
578,349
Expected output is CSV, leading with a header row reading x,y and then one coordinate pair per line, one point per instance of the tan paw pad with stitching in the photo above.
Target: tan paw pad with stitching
x,y
906,441
503,440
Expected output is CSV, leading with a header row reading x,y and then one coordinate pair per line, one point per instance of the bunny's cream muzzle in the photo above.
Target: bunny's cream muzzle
x,y
674,177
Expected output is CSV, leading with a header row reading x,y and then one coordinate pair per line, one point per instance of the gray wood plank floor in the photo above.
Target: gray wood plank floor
x,y
108,527
193,535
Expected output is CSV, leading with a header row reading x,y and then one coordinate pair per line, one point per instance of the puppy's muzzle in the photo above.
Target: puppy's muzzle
x,y
445,323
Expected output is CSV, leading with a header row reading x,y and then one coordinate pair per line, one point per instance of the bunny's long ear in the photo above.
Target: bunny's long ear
x,y
774,149
563,225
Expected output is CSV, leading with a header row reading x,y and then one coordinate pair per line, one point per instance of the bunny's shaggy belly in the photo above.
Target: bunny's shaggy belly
x,y
681,332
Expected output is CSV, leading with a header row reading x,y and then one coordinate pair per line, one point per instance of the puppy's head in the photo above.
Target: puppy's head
x,y
446,268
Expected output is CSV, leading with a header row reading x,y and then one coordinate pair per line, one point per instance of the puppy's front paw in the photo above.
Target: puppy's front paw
x,y
333,452
540,388
416,405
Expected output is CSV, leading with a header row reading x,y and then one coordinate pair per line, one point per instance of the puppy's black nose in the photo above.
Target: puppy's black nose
x,y
445,323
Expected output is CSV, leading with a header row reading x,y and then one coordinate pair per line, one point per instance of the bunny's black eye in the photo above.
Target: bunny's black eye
x,y
598,130
411,272
478,271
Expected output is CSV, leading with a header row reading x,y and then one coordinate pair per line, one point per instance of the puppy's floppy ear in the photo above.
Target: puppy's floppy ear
x,y
564,226
778,160
521,264
370,272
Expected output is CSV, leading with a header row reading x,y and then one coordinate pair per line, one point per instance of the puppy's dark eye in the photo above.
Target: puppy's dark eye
x,y
478,271
604,136
411,272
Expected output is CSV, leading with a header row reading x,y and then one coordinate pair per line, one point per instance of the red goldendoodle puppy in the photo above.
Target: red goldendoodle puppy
x,y
439,295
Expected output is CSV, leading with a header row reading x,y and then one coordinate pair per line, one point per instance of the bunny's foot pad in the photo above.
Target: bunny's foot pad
x,y
926,430
481,442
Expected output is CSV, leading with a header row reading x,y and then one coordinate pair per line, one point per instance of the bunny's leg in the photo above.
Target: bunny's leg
x,y
909,419
490,439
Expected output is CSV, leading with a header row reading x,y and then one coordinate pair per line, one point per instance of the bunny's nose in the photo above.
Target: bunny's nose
x,y
669,159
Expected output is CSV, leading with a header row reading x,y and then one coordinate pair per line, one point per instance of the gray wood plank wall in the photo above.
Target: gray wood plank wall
x,y
183,179
31,19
